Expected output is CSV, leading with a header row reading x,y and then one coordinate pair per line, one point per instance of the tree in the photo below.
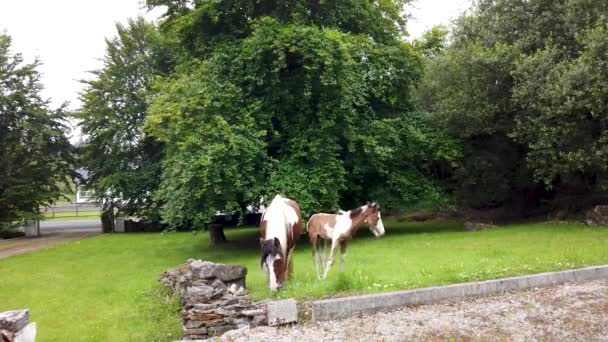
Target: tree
x,y
292,97
36,155
522,84
122,161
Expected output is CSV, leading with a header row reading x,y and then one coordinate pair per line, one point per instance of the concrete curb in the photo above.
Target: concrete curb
x,y
330,309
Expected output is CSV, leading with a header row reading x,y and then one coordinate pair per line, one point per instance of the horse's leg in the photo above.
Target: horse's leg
x,y
330,262
290,263
324,255
315,256
342,255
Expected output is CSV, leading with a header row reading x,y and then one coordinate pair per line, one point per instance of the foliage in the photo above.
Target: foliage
x,y
564,102
523,85
10,232
405,164
35,152
296,99
123,162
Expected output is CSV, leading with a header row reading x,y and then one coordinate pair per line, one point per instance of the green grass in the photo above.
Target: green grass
x,y
71,215
106,289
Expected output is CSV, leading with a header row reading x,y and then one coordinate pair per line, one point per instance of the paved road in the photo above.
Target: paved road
x,y
48,226
51,233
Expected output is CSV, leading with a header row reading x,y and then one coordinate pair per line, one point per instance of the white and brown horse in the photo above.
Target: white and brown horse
x,y
281,227
339,228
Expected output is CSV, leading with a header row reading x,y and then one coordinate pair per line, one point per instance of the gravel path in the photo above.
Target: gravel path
x,y
12,247
574,312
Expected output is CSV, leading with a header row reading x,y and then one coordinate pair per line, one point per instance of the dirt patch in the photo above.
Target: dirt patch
x,y
572,312
19,246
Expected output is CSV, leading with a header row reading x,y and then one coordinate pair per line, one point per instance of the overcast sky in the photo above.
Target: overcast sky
x,y
68,35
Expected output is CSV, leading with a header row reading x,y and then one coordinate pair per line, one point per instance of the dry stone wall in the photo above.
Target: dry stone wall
x,y
214,298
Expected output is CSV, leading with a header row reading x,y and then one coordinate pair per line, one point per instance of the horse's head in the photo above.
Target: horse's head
x,y
273,263
374,219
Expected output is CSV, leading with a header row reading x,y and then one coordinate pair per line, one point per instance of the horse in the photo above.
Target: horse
x,y
339,228
280,227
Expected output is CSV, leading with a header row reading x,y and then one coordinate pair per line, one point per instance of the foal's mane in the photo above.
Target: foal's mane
x,y
358,211
355,212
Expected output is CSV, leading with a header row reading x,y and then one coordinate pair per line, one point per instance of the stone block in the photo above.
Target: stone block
x,y
255,312
216,331
27,334
197,331
225,273
190,324
282,312
119,225
14,320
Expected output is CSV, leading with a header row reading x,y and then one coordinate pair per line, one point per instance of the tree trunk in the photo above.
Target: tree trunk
x,y
216,234
107,219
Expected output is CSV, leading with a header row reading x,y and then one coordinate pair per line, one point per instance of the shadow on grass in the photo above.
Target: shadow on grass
x,y
246,239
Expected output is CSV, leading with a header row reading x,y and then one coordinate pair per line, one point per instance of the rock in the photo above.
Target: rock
x,y
232,289
216,331
476,226
201,293
598,216
224,312
282,312
230,301
190,324
225,273
199,331
217,293
207,306
218,284
255,312
242,321
214,322
258,321
14,320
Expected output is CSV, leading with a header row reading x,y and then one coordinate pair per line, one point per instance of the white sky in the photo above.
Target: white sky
x,y
68,35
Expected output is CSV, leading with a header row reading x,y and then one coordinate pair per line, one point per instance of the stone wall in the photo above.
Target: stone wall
x,y
214,298
15,326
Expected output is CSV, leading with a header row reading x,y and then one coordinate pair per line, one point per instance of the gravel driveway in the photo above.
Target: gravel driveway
x,y
563,313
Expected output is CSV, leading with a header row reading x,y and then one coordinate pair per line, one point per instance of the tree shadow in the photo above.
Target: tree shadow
x,y
246,239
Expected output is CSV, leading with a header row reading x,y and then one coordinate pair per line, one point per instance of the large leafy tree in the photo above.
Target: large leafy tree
x,y
36,156
122,161
523,85
306,98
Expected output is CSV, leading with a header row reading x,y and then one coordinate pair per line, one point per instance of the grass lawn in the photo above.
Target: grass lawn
x,y
106,289
71,215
